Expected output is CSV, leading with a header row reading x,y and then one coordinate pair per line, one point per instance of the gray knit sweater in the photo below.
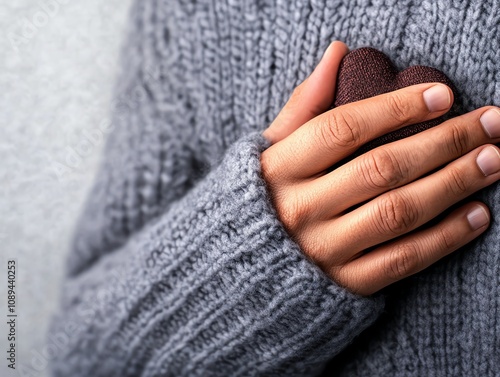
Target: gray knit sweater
x,y
180,266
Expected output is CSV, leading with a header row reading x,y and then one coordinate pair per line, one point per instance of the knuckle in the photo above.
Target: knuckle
x,y
341,130
298,90
447,240
400,108
271,169
293,211
318,249
401,261
458,142
380,169
396,215
456,182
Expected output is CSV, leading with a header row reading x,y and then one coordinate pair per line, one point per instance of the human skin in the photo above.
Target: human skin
x,y
392,184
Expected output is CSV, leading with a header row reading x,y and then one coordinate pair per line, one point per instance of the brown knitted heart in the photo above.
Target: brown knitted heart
x,y
367,72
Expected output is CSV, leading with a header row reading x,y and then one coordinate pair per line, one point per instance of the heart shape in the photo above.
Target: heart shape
x,y
367,72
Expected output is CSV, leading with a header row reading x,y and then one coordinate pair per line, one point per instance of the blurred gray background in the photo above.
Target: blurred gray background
x,y
57,70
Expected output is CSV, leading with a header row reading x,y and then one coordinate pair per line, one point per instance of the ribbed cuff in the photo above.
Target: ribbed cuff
x,y
214,288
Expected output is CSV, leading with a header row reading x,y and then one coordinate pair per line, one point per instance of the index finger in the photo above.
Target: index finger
x,y
335,134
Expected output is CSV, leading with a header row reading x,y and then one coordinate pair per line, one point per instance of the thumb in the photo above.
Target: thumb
x,y
312,97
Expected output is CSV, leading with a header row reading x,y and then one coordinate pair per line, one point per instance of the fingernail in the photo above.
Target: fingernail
x,y
489,160
490,121
477,218
437,98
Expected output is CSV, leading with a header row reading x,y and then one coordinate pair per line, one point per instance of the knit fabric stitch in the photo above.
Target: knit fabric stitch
x,y
180,266
366,72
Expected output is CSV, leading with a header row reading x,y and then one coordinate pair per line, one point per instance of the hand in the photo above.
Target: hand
x,y
387,184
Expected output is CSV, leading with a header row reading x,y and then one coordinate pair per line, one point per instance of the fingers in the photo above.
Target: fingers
x,y
402,210
311,98
333,135
415,252
396,164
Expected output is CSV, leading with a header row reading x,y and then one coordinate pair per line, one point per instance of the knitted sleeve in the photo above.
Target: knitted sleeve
x,y
212,287
181,267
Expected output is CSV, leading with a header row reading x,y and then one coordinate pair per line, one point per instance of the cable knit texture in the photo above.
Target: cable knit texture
x,y
180,266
